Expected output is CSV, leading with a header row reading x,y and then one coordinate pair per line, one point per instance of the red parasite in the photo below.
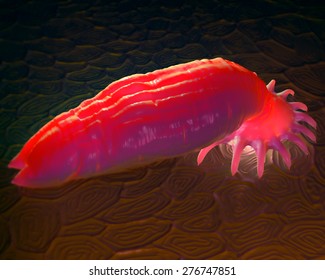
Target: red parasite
x,y
142,118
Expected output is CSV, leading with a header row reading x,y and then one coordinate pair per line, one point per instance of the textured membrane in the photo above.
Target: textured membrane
x,y
54,54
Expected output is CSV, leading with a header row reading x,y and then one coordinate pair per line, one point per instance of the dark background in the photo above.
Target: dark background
x,y
54,54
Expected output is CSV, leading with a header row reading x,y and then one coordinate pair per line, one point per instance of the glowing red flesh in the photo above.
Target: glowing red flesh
x,y
165,113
